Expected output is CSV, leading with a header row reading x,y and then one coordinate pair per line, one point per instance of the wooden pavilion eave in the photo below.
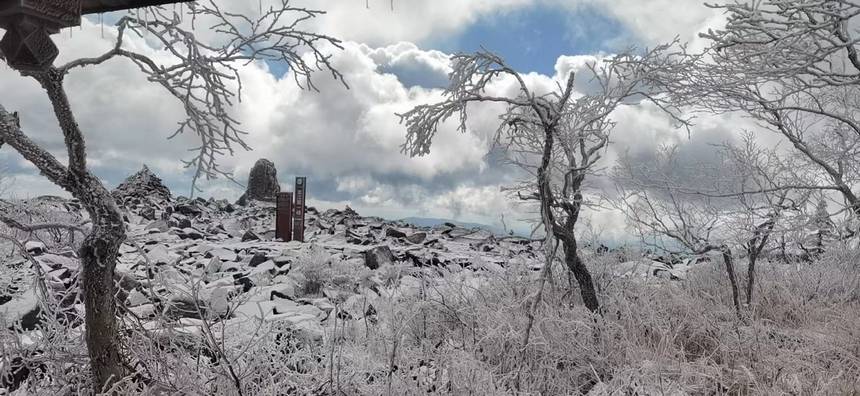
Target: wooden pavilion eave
x,y
99,6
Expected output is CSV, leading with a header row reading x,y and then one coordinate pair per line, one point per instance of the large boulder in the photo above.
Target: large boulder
x,y
142,184
262,183
417,237
23,310
647,269
378,257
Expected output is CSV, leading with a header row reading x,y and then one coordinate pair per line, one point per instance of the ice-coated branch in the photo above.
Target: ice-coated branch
x,y
469,80
12,223
801,39
48,165
792,67
201,69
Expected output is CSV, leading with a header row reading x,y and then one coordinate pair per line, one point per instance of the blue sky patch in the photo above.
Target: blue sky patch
x,y
532,39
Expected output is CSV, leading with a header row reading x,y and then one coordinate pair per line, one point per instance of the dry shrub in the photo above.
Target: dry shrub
x,y
440,332
316,269
800,336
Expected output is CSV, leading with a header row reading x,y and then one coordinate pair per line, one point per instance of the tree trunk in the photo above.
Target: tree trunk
x,y
98,258
580,272
99,249
730,269
756,246
783,252
751,275
571,256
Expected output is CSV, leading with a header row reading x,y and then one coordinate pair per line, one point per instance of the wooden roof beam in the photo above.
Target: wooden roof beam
x,y
99,6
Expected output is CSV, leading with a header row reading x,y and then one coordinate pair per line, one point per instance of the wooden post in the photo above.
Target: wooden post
x,y
299,209
284,216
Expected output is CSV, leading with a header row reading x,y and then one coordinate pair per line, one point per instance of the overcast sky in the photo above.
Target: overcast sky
x,y
348,141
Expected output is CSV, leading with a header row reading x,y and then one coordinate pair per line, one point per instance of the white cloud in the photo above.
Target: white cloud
x,y
24,186
347,140
413,21
660,21
412,65
339,131
653,21
336,134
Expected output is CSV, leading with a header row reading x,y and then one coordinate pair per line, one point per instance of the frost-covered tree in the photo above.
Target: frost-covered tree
x,y
469,80
731,204
821,227
761,207
792,66
557,137
201,71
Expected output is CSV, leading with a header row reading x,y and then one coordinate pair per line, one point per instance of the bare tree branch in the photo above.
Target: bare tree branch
x,y
10,133
792,66
12,223
204,75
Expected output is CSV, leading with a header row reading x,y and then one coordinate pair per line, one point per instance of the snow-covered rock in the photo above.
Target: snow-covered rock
x,y
22,310
190,259
35,247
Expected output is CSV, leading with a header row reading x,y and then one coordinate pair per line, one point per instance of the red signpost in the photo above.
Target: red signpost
x,y
299,210
289,215
284,216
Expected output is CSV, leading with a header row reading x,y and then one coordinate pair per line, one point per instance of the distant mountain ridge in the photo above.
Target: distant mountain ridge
x,y
432,222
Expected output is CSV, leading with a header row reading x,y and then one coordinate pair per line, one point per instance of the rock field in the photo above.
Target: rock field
x,y
193,259
189,263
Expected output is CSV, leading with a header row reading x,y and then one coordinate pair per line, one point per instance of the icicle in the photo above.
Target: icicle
x,y
80,12
102,23
260,3
367,4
